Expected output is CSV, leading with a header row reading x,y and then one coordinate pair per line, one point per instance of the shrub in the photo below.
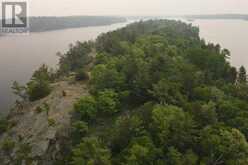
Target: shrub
x,y
7,146
38,109
51,122
39,85
91,151
42,73
86,107
79,130
81,75
44,108
38,89
3,124
23,154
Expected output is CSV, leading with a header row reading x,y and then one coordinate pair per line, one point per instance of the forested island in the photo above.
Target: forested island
x,y
152,93
218,16
194,17
41,24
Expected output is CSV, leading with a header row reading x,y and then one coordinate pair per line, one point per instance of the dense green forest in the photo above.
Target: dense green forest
x,y
40,24
159,95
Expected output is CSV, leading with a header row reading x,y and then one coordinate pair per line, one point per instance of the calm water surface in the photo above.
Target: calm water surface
x,y
230,34
21,55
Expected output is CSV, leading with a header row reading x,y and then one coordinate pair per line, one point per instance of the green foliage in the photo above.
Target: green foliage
x,y
110,76
190,158
90,152
7,147
81,75
208,94
240,122
51,122
172,126
240,91
242,77
107,102
228,109
3,124
138,155
79,130
42,73
38,89
221,145
174,157
203,113
159,95
39,86
168,93
44,108
210,60
75,58
141,151
125,129
86,107
23,154
232,76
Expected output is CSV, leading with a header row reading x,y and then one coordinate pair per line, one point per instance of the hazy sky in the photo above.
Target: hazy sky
x,y
135,7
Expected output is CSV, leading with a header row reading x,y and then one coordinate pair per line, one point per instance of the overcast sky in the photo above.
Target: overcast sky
x,y
135,7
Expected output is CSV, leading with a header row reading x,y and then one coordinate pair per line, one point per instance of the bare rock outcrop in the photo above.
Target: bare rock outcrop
x,y
40,129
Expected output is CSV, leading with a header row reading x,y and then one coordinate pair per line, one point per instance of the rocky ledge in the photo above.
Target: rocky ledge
x,y
40,129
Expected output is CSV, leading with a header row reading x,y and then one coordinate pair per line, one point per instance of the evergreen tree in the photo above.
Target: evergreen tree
x,y
242,77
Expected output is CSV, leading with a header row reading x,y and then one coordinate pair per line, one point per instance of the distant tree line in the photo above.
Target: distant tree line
x,y
40,24
218,16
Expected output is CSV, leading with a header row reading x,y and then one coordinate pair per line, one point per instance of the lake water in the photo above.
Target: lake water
x,y
230,34
21,55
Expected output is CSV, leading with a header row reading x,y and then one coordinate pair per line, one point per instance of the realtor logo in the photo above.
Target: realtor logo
x,y
14,17
14,14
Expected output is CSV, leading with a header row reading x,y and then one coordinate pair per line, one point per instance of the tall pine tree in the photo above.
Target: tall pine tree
x,y
242,77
